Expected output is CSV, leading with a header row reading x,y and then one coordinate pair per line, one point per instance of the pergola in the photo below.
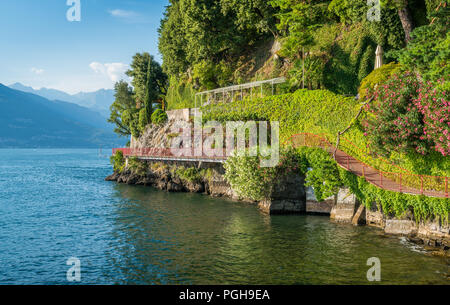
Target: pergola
x,y
229,92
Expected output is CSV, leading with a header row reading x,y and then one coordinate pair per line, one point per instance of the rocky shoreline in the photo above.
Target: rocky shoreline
x,y
289,197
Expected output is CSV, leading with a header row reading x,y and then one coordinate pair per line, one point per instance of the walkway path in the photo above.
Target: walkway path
x,y
432,186
404,182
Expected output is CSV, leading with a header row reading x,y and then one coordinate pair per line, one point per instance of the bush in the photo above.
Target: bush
x,y
159,117
408,116
118,161
251,181
190,174
137,166
396,124
377,77
434,105
323,175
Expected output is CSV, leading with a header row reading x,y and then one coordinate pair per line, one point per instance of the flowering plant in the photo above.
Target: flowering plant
x,y
408,115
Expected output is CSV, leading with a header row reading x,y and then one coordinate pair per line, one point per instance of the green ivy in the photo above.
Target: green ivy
x,y
118,162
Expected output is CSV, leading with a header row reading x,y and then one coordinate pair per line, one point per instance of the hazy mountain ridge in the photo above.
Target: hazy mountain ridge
x,y
29,120
99,100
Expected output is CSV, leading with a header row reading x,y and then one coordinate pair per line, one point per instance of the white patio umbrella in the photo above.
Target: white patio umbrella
x,y
378,57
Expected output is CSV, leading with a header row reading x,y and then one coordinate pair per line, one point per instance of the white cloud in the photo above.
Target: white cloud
x,y
123,13
37,71
115,71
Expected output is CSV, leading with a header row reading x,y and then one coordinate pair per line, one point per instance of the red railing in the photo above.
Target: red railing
x,y
404,181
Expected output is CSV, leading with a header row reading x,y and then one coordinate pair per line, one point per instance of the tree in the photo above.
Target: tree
x,y
404,15
428,52
148,77
124,103
150,96
252,15
212,31
298,20
172,40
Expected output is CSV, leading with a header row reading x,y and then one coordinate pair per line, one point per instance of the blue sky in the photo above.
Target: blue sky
x,y
41,48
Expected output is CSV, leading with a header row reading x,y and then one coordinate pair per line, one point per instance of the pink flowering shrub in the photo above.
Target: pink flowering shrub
x,y
408,115
434,105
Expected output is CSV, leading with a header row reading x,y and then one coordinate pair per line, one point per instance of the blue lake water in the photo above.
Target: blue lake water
x,y
55,204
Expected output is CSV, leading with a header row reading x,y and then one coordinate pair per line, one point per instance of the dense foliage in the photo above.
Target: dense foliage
x,y
123,110
249,180
118,161
408,115
375,78
188,26
159,117
315,111
428,52
132,109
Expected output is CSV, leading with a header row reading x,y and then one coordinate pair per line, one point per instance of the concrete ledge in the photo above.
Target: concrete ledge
x,y
315,207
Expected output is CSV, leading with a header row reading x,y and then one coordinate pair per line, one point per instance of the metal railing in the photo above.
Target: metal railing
x,y
403,181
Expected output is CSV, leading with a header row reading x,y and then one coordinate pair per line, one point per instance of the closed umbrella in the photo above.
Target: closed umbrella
x,y
378,57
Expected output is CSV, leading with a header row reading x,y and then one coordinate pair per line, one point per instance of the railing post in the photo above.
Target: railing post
x,y
421,185
381,179
400,182
348,162
446,187
363,172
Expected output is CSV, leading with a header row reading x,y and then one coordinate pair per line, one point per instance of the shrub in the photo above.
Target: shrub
x,y
118,162
377,77
408,115
434,105
396,124
323,175
190,174
137,166
159,117
251,181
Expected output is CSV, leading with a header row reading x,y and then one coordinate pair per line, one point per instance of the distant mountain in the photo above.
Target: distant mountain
x,y
31,121
98,101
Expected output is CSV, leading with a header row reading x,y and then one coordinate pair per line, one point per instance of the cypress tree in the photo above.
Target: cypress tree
x,y
148,94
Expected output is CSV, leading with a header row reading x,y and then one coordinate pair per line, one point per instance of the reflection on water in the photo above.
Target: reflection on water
x,y
187,238
54,204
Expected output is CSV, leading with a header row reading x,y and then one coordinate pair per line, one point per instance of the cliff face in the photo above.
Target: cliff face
x,y
155,136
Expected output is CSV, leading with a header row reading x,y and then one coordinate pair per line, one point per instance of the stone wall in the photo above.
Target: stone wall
x,y
345,206
313,206
430,232
288,196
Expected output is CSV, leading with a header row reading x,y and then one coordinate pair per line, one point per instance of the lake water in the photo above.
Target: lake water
x,y
55,204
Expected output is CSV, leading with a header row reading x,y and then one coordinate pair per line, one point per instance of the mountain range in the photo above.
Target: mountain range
x,y
28,120
99,101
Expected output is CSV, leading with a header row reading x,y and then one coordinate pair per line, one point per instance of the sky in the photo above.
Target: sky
x,y
41,47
